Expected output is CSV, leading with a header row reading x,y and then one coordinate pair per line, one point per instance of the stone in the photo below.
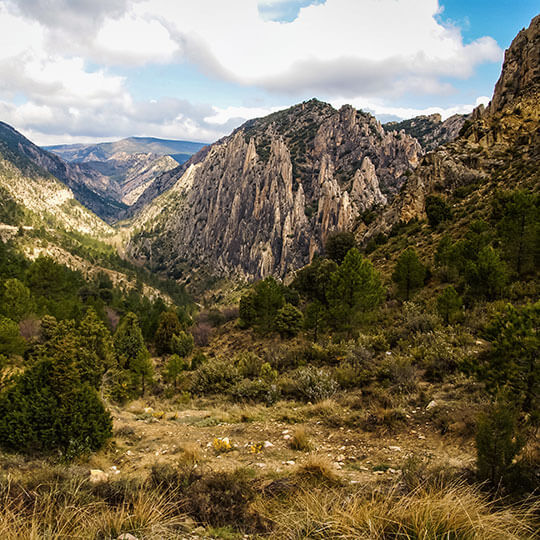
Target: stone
x,y
126,536
97,476
431,405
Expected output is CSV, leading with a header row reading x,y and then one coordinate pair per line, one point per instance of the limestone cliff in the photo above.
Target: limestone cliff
x,y
263,200
430,131
498,147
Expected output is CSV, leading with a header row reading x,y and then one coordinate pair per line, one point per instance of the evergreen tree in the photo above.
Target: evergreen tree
x,y
168,326
288,321
449,304
246,310
48,408
513,360
355,290
486,276
498,441
182,344
518,226
16,301
437,210
128,340
11,341
142,369
175,366
409,273
338,245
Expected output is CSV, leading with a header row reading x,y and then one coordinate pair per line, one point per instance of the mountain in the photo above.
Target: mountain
x,y
430,131
31,196
127,167
499,146
89,187
180,151
262,200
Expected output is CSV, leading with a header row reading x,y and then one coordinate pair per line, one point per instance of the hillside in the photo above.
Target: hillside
x,y
430,131
263,199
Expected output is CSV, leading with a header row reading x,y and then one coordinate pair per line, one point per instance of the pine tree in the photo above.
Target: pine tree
x,y
128,340
409,273
513,361
449,304
355,290
168,326
518,227
288,321
11,341
16,301
338,245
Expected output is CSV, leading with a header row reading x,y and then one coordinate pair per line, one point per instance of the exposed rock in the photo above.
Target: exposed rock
x,y
97,476
501,141
430,131
521,69
263,200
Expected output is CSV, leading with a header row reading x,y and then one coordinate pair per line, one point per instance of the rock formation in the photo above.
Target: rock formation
x,y
498,145
263,200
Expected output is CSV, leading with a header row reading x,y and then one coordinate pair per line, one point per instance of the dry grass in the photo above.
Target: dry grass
x,y
190,453
455,512
300,440
61,511
319,469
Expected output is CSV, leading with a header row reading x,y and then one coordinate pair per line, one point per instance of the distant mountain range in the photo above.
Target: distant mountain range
x,y
180,151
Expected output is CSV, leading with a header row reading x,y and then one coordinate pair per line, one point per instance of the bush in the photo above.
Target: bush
x,y
223,498
256,390
47,408
312,384
215,376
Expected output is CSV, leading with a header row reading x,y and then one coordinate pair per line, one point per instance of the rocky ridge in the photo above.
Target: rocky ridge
x,y
498,145
263,200
430,131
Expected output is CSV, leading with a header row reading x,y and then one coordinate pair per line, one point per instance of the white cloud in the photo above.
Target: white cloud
x,y
369,47
60,56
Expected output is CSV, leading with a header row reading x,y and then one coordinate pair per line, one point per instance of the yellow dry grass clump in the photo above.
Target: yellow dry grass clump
x,y
456,512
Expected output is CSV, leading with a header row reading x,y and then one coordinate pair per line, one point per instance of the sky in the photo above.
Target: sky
x,y
94,70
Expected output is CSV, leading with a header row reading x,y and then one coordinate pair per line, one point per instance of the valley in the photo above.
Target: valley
x,y
319,326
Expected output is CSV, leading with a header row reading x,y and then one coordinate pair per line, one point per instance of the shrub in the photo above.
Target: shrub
x,y
215,376
312,384
223,498
256,390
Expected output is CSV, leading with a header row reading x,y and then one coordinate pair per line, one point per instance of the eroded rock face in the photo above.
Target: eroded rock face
x,y
501,141
263,200
521,68
430,131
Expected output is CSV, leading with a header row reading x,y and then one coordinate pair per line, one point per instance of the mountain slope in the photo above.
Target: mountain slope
x,y
89,187
263,200
499,147
32,196
430,131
